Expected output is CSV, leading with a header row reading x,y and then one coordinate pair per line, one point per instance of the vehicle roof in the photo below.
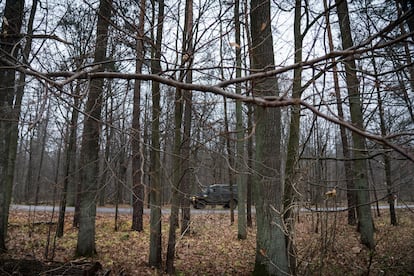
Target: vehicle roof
x,y
221,185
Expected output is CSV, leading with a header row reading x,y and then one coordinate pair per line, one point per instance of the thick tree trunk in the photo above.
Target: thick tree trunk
x,y
13,13
366,225
90,141
271,254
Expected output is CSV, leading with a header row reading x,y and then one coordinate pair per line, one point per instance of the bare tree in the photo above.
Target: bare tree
x,y
366,225
9,39
344,138
292,156
240,160
90,141
155,259
271,254
137,185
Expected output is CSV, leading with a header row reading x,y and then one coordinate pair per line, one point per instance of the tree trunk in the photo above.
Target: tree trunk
x,y
230,159
13,12
14,122
366,225
226,139
250,179
387,159
176,178
293,143
155,259
350,193
69,182
188,110
137,172
43,127
240,161
90,141
186,152
271,255
181,180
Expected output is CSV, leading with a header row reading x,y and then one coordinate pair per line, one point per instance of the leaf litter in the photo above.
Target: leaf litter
x,y
212,248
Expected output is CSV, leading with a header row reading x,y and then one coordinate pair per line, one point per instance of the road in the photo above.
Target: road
x,y
108,210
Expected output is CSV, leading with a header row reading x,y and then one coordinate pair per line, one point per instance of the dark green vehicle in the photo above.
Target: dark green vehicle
x,y
216,194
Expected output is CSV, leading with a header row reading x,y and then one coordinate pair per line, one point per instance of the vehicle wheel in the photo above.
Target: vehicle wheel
x,y
234,202
201,204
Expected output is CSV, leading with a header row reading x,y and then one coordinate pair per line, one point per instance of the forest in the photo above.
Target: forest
x,y
304,108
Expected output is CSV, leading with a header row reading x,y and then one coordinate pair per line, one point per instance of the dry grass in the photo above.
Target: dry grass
x,y
212,247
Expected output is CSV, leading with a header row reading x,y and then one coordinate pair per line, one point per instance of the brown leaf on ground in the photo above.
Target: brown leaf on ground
x,y
212,247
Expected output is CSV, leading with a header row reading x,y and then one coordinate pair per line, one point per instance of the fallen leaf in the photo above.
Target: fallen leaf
x,y
234,44
356,249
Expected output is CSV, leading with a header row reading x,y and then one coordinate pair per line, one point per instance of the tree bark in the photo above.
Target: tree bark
x,y
187,119
271,255
230,159
350,193
137,185
90,141
13,13
366,225
387,159
155,259
181,176
69,182
293,142
186,152
240,161
176,178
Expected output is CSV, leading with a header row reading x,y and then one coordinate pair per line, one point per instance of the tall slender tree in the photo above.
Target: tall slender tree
x,y
137,185
90,140
292,156
9,49
387,158
181,150
271,254
366,224
70,162
240,161
155,259
350,194
187,120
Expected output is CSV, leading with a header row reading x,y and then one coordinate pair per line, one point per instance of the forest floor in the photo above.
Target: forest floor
x,y
325,245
